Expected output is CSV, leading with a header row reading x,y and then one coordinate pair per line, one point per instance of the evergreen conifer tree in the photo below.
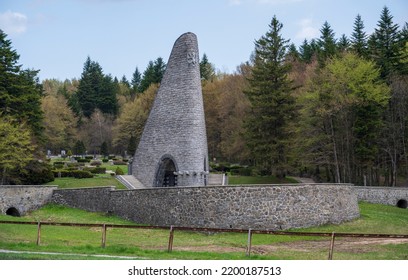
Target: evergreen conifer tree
x,y
327,44
359,38
136,79
20,90
270,94
95,91
384,44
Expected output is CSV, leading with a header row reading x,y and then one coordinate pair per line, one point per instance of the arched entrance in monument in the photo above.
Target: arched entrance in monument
x,y
166,173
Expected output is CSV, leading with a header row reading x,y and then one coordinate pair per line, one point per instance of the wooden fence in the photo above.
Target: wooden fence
x,y
172,229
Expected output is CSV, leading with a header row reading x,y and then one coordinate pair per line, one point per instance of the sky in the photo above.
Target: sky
x,y
57,36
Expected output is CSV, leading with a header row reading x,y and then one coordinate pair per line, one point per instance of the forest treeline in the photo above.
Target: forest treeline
x,y
333,108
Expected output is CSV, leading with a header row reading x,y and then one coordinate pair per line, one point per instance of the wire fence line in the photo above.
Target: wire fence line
x,y
172,229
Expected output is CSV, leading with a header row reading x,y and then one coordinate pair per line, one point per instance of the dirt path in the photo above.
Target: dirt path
x,y
348,245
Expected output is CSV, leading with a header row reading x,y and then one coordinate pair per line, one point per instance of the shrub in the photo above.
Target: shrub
x,y
242,171
89,157
79,174
37,173
119,162
119,171
97,170
61,173
105,160
83,160
96,163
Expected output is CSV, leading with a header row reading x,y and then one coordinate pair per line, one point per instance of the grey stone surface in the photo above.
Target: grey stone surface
x,y
95,199
265,207
175,128
24,198
381,195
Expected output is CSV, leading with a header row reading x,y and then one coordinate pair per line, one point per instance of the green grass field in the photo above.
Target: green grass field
x,y
152,244
99,180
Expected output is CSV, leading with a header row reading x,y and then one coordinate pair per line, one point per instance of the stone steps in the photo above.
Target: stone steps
x,y
215,179
130,182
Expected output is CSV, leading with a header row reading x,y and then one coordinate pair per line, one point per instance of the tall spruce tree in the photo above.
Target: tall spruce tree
x,y
359,38
385,46
95,91
20,90
136,79
270,94
327,44
207,72
153,73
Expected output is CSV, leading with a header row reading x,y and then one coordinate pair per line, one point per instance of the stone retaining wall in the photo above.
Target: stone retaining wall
x,y
383,195
24,198
266,207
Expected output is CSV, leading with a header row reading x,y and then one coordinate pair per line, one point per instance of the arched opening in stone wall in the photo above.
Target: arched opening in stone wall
x,y
166,174
402,203
13,212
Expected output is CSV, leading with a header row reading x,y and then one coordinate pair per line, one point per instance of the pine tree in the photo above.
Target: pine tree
x,y
343,44
272,103
327,44
207,72
20,90
95,91
359,38
79,148
125,81
306,51
104,149
132,146
136,79
153,74
384,44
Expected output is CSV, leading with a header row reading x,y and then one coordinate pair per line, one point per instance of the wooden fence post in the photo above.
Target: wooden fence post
x,y
103,235
38,233
249,245
333,236
171,238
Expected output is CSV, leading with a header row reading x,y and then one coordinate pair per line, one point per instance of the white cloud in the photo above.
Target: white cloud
x,y
307,31
13,23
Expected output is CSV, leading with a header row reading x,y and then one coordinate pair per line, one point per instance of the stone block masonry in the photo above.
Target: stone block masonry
x,y
24,198
396,196
173,147
272,207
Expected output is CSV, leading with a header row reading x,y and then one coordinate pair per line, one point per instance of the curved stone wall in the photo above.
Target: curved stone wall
x,y
24,198
260,206
382,195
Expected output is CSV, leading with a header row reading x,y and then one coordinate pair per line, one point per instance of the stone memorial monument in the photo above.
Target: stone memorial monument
x,y
173,147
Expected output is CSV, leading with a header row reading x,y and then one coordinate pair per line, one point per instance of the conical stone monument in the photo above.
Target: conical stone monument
x,y
173,147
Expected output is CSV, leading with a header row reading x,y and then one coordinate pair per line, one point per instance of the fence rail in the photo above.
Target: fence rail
x,y
172,229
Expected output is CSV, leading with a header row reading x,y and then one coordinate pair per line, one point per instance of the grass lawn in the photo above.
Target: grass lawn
x,y
242,180
97,181
152,244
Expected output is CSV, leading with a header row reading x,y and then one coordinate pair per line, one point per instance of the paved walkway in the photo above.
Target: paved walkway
x,y
70,254
304,180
